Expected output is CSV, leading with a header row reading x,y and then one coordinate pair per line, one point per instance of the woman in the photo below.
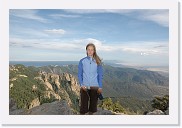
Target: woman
x,y
90,76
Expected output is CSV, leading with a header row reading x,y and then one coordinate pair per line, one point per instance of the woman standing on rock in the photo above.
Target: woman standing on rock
x,y
90,74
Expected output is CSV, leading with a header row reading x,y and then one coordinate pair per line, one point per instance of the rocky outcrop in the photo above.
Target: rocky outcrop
x,y
49,78
13,79
13,68
13,110
34,103
22,75
54,85
39,78
101,111
53,78
54,108
65,96
48,86
50,94
34,88
73,82
156,112
11,85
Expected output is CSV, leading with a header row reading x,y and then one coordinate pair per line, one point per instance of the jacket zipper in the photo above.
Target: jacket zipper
x,y
90,72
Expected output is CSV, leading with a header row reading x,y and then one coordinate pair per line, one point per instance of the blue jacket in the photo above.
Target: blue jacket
x,y
89,73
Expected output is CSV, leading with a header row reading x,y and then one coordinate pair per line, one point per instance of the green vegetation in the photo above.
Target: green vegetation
x,y
161,103
134,105
23,80
127,105
47,100
130,90
141,84
22,91
109,105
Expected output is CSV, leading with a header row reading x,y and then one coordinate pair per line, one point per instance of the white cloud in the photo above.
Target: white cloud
x,y
27,14
42,44
65,16
141,48
146,48
91,11
55,31
160,16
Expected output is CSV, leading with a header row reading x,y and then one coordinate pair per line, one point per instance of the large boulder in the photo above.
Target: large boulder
x,y
54,108
13,110
156,112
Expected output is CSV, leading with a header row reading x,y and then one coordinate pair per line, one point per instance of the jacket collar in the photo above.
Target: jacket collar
x,y
90,58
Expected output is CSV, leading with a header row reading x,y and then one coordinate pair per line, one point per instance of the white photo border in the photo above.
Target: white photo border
x,y
171,119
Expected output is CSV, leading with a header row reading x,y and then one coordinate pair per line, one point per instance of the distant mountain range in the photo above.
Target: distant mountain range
x,y
32,86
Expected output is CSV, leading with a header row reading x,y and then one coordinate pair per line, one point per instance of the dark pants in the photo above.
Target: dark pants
x,y
89,100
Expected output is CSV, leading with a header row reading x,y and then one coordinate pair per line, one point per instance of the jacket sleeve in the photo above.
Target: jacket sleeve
x,y
80,73
100,75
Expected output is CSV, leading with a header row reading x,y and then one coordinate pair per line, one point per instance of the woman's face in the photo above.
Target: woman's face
x,y
90,50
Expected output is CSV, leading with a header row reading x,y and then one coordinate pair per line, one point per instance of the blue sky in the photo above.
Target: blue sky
x,y
133,37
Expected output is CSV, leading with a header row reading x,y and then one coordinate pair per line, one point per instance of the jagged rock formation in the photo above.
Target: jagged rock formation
x,y
49,94
34,103
73,81
37,87
56,85
49,78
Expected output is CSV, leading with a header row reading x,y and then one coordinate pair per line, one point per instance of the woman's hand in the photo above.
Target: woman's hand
x,y
99,90
84,88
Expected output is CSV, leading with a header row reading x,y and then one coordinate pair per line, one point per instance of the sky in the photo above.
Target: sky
x,y
132,37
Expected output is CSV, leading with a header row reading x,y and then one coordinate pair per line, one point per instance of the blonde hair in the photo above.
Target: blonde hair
x,y
95,56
